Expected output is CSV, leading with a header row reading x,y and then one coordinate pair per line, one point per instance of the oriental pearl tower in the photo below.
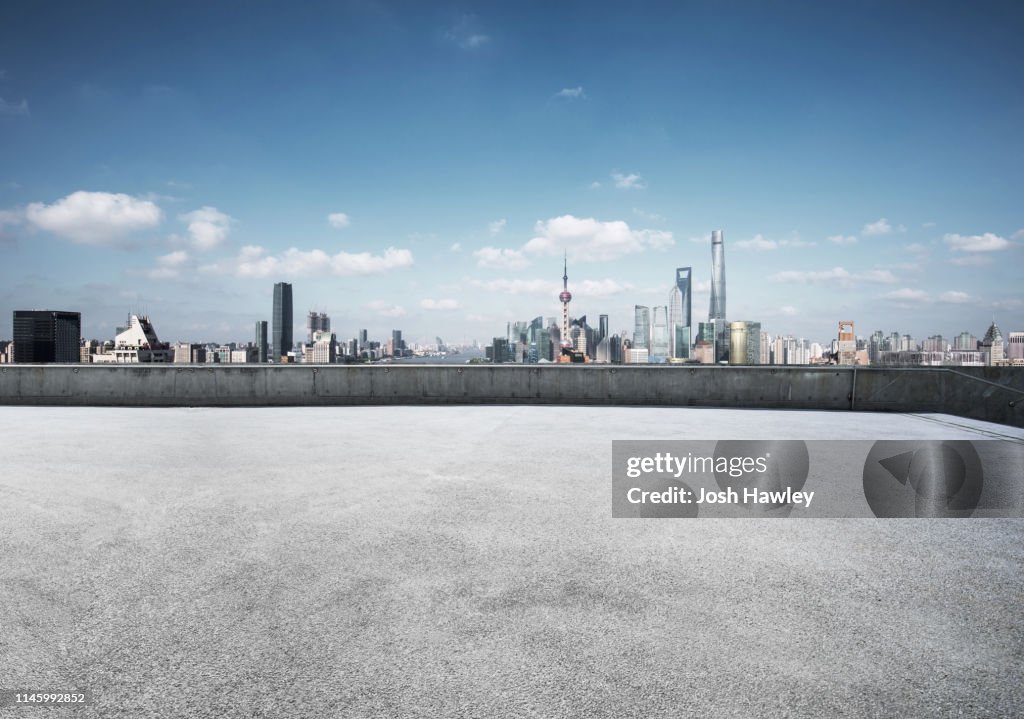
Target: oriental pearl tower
x,y
565,297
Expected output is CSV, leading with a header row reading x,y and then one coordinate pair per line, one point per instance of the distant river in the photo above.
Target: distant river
x,y
460,358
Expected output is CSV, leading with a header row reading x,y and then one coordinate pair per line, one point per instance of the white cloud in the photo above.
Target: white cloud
x,y
599,288
758,243
208,227
466,33
906,294
628,182
649,216
843,240
14,108
456,247
595,185
386,309
585,288
519,287
916,247
955,297
94,218
339,220
837,275
173,259
971,261
496,226
11,217
1010,304
881,227
988,242
590,240
498,258
797,242
255,262
573,93
927,225
789,311
169,266
702,286
1018,235
429,304
475,40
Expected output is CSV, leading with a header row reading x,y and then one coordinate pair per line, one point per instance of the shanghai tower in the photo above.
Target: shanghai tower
x,y
716,314
717,311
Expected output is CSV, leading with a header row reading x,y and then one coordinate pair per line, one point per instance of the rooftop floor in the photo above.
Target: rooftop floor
x,y
462,561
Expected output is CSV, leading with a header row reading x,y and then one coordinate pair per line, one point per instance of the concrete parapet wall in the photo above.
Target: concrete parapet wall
x,y
992,394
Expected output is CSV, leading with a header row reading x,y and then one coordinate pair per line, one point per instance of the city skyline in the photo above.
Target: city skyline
x,y
425,168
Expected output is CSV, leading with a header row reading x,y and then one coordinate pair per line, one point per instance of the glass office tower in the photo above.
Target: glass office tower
x,y
641,327
679,310
44,336
283,323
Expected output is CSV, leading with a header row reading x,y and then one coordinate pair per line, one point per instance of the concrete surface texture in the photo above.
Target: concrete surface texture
x,y
993,394
462,562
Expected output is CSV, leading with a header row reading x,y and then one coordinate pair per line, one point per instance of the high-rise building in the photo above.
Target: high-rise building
x,y
641,327
316,322
499,350
323,349
261,341
679,310
681,342
965,341
717,311
660,333
602,331
137,342
738,339
744,343
991,344
847,344
1015,346
283,328
44,336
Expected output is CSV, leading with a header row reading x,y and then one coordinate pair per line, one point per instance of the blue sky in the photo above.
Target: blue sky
x,y
424,165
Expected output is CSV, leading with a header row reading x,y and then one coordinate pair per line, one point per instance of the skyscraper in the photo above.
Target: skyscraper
x,y
716,313
641,327
47,336
717,310
660,333
602,326
316,323
679,310
282,318
565,297
261,341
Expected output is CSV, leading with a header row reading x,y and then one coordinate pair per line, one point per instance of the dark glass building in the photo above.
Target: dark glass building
x,y
261,341
45,336
282,319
